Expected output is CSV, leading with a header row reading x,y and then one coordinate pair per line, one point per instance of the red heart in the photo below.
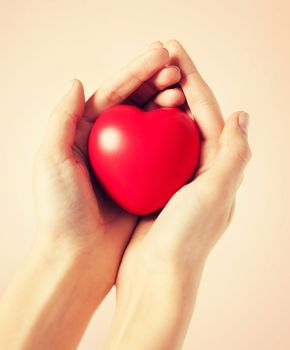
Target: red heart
x,y
142,158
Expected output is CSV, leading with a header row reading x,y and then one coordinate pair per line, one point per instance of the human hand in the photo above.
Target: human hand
x,y
71,207
203,207
159,275
81,233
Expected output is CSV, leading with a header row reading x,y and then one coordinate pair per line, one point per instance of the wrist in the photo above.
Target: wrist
x,y
154,306
51,299
183,258
63,255
77,241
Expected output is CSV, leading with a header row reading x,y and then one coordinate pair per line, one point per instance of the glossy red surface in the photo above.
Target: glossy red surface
x,y
142,158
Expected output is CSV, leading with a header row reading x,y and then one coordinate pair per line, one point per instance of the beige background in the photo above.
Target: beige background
x,y
242,50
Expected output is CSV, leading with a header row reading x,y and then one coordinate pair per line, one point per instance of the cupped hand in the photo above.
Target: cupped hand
x,y
71,207
183,233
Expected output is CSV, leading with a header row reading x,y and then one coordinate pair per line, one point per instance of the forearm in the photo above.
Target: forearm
x,y
50,301
158,312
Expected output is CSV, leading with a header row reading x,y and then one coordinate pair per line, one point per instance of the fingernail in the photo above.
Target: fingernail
x,y
244,120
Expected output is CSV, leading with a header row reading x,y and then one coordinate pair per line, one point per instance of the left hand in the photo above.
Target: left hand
x,y
81,233
72,209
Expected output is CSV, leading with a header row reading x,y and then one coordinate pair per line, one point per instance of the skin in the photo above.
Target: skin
x,y
82,235
160,272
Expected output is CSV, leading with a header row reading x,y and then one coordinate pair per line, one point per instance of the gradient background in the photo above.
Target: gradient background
x,y
242,50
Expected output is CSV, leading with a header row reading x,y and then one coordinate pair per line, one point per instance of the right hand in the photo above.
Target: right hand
x,y
196,215
160,271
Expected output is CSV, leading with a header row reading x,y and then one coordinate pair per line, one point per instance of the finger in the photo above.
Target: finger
x,y
125,82
233,156
167,98
164,78
155,44
170,98
199,96
167,76
61,130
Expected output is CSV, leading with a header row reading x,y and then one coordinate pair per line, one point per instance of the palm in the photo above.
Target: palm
x,y
111,216
116,223
145,242
154,231
183,199
148,69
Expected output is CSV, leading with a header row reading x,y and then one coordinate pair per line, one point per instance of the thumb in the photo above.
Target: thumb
x,y
61,130
234,152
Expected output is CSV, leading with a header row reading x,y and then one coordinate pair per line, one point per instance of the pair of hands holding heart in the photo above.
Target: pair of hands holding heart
x,y
74,210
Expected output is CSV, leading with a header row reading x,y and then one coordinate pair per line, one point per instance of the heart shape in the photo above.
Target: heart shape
x,y
142,158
